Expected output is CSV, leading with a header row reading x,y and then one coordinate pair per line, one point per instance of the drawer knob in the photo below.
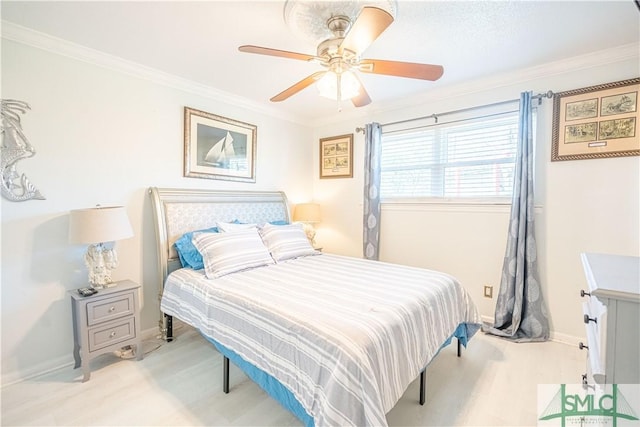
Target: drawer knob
x,y
583,293
588,319
112,309
581,346
112,334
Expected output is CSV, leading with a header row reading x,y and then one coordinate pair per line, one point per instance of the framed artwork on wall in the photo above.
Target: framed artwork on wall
x,y
216,147
336,157
596,122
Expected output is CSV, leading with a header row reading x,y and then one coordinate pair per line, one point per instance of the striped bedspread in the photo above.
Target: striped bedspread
x,y
345,335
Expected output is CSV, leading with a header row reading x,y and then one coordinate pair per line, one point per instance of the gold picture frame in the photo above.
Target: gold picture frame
x,y
596,122
217,147
336,157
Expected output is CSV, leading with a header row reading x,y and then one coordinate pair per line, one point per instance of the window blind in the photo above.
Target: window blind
x,y
473,158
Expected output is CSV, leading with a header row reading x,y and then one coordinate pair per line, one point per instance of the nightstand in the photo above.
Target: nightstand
x,y
105,322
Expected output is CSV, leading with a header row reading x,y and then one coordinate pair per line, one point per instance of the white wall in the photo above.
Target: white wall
x,y
587,205
103,136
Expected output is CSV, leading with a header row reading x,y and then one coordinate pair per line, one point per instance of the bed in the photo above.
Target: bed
x,y
336,340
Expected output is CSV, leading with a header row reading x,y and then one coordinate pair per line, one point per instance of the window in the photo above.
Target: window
x,y
471,159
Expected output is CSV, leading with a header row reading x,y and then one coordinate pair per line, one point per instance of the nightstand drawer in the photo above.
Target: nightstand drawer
x,y
111,333
110,308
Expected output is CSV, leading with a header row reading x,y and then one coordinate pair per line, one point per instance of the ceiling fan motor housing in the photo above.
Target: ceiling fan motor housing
x,y
332,57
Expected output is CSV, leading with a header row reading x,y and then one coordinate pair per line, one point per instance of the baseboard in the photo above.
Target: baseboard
x,y
553,336
67,361
487,319
566,339
53,365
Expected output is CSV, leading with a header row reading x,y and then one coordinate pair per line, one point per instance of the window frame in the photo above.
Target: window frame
x,y
471,114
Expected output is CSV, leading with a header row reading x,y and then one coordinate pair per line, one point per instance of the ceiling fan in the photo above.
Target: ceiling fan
x,y
340,55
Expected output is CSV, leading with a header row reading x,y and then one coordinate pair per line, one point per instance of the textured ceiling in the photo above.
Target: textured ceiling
x,y
198,41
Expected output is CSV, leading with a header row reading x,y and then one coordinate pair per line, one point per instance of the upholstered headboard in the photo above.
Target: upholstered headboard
x,y
177,211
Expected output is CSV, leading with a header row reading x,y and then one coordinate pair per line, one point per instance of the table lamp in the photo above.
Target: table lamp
x,y
309,214
96,226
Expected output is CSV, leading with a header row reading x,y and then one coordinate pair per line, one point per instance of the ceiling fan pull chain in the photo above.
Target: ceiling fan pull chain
x,y
339,84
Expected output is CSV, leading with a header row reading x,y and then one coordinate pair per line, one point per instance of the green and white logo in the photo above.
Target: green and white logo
x,y
578,405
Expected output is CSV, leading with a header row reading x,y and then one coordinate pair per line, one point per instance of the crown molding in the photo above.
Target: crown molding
x,y
39,40
46,42
512,78
539,72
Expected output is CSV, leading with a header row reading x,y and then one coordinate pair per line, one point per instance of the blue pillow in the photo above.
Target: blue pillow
x,y
187,252
279,222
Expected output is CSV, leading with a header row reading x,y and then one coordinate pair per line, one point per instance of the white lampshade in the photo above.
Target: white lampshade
x,y
307,212
99,225
328,85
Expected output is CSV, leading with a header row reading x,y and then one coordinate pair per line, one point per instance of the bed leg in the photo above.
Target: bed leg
x,y
423,386
225,374
459,347
168,327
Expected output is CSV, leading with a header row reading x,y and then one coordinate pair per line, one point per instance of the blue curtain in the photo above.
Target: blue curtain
x,y
521,313
371,217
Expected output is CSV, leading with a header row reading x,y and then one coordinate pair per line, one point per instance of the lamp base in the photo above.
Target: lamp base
x,y
310,231
110,285
100,260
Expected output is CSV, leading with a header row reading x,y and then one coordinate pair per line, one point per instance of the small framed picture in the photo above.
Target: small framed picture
x,y
336,157
596,122
216,147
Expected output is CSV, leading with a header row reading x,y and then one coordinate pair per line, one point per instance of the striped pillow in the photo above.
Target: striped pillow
x,y
225,253
286,241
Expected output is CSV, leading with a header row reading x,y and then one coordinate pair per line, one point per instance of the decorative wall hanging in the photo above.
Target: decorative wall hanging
x,y
336,157
596,122
216,147
15,147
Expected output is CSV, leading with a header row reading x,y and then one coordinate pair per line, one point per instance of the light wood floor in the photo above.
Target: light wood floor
x,y
494,383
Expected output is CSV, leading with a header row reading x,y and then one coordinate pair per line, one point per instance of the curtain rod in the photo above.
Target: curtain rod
x,y
539,96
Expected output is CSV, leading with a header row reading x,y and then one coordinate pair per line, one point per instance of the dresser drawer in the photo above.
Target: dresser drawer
x,y
111,308
111,333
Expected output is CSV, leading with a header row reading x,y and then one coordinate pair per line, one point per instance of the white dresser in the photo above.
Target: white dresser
x,y
612,319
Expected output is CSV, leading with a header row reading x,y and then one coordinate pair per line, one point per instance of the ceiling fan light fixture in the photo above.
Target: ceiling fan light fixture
x,y
328,85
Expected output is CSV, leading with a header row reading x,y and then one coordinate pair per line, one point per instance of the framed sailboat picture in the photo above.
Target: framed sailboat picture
x,y
216,147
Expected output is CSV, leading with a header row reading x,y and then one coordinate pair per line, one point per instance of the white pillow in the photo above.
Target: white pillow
x,y
286,241
234,226
225,253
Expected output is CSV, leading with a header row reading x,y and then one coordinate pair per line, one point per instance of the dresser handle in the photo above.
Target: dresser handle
x,y
583,293
588,319
112,334
581,346
112,309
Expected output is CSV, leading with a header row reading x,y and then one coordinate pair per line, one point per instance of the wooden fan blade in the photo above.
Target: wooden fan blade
x,y
298,86
362,98
371,22
402,69
276,52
